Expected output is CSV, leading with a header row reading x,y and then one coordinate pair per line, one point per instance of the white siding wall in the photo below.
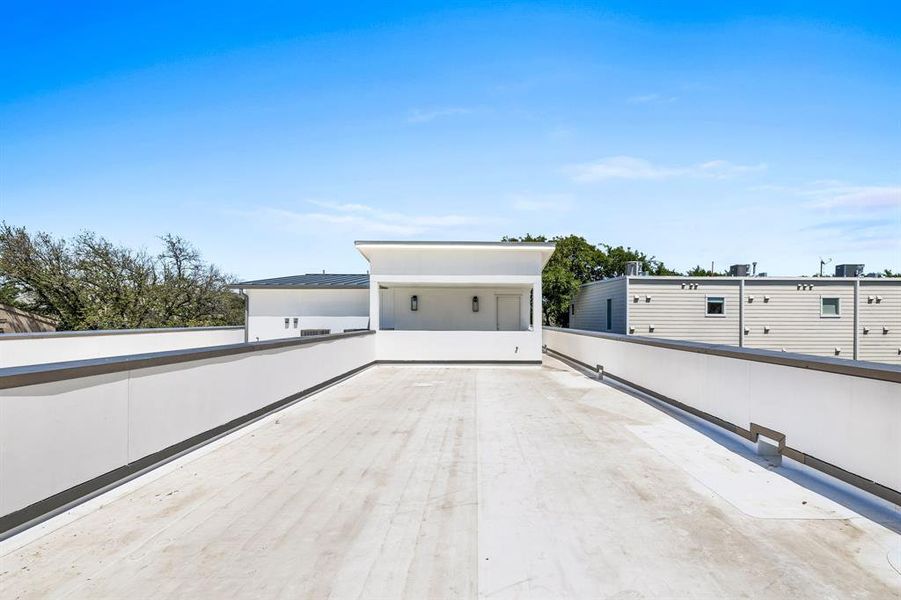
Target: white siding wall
x,y
874,315
447,308
590,306
336,310
793,317
681,313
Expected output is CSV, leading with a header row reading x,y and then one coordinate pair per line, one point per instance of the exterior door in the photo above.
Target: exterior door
x,y
508,313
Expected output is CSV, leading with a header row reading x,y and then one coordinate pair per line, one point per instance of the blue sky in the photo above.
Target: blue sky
x,y
272,138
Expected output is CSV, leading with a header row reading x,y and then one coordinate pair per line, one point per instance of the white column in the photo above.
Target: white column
x,y
374,307
536,306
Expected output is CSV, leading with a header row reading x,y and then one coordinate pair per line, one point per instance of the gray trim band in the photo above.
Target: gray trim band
x,y
841,366
867,485
93,332
12,377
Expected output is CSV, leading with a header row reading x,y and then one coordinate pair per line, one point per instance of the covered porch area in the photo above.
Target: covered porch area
x,y
474,319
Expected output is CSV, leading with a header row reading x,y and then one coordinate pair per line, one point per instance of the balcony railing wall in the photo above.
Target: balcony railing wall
x,y
69,428
18,349
842,417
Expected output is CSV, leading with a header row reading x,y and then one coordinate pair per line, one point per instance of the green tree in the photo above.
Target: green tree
x,y
699,271
91,283
617,257
575,261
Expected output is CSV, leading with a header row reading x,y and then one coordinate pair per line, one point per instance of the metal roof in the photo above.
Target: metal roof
x,y
312,281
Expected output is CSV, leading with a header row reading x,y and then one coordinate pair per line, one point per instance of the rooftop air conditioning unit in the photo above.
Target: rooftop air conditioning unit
x,y
633,268
848,270
739,270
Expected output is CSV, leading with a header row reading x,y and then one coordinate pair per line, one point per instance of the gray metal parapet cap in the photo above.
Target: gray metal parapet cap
x,y
842,366
92,332
12,377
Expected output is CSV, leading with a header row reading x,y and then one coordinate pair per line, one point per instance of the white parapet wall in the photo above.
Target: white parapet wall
x,y
17,349
83,420
844,413
459,346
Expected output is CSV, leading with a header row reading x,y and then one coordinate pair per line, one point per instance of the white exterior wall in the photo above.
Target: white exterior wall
x,y
56,435
447,308
875,317
419,260
678,312
40,348
589,310
334,309
848,421
445,279
793,317
466,346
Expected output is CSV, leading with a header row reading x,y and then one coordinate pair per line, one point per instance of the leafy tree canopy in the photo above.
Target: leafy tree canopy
x,y
90,283
576,261
699,271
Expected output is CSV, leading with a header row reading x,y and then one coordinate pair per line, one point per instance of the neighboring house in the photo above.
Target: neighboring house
x,y
311,304
847,317
16,320
456,301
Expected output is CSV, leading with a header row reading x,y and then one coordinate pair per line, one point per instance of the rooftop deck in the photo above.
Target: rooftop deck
x,y
437,482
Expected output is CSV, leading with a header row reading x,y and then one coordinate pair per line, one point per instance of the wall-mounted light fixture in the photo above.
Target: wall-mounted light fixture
x,y
475,304
414,303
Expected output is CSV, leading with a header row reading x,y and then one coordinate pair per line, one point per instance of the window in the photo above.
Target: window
x,y
609,314
287,320
716,306
830,307
295,322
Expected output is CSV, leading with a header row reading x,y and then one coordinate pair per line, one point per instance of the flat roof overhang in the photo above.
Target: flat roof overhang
x,y
545,248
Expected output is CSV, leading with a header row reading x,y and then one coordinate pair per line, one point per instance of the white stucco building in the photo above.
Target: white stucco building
x,y
456,301
453,301
299,305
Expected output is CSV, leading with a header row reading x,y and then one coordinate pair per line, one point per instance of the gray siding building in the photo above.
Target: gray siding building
x,y
847,317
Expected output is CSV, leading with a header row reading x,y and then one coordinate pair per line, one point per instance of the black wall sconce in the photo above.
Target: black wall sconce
x,y
475,304
414,303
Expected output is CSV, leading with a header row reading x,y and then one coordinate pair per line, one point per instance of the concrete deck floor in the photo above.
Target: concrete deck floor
x,y
443,482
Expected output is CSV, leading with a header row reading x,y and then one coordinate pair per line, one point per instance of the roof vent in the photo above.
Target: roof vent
x,y
848,270
633,268
739,270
